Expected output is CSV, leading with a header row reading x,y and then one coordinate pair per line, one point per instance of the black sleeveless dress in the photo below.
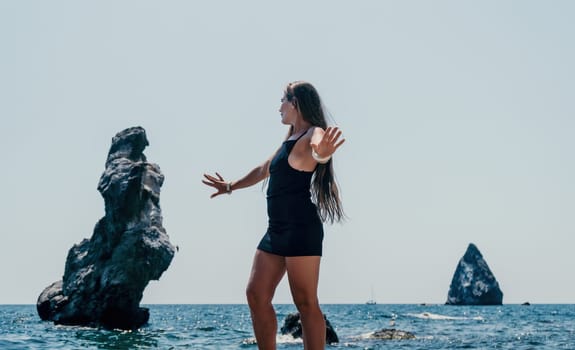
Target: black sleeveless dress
x,y
294,225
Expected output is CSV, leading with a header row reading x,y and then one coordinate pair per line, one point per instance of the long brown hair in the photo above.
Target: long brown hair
x,y
324,188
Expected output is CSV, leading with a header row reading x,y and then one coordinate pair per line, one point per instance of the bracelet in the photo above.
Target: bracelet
x,y
318,158
229,187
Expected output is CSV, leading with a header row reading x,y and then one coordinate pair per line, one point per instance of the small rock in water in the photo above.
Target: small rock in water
x,y
292,326
391,334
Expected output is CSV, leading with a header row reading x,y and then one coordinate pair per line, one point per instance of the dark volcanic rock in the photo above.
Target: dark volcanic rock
x,y
292,326
105,275
473,283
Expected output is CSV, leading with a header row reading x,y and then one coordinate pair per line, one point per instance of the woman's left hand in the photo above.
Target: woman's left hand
x,y
329,143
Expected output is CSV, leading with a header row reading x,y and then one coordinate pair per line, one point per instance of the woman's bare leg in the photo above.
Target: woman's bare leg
x,y
303,275
267,272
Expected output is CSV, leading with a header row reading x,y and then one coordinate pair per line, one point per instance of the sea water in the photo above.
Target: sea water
x,y
229,327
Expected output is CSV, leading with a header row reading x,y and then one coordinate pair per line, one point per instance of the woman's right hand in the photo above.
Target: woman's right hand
x,y
218,183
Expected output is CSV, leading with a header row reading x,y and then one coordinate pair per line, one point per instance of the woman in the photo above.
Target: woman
x,y
300,174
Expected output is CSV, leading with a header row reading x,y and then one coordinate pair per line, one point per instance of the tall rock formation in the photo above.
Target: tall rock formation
x,y
473,282
105,275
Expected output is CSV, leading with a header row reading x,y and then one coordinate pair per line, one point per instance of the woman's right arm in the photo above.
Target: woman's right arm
x,y
256,175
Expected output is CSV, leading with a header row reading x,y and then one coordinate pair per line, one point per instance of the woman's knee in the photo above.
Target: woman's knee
x,y
257,297
306,304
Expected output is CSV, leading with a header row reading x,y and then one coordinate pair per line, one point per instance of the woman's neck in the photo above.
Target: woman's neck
x,y
300,128
297,134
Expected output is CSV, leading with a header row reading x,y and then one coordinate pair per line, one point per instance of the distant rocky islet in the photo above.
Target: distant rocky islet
x,y
473,283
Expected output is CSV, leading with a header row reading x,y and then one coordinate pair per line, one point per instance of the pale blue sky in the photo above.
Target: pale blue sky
x,y
458,115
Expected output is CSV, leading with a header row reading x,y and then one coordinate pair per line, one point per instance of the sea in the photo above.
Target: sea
x,y
536,326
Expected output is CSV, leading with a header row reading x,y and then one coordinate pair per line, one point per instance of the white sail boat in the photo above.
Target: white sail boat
x,y
371,301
